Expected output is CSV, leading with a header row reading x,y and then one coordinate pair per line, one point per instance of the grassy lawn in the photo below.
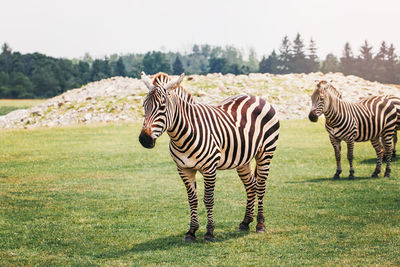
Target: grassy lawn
x,y
93,196
8,105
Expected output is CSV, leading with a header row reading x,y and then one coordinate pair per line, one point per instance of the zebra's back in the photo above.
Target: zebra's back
x,y
252,126
378,115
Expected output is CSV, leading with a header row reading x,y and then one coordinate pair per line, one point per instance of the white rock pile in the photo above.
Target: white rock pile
x,y
119,99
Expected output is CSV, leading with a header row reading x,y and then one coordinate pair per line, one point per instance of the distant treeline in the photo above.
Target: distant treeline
x,y
39,76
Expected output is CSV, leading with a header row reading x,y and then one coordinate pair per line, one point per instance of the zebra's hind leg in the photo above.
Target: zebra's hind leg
x,y
376,143
394,147
263,161
387,143
209,184
249,183
189,179
350,148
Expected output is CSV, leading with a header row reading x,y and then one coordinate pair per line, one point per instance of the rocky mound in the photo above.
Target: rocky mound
x,y
120,99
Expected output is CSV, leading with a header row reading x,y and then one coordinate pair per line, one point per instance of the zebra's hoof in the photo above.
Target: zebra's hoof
x,y
374,174
351,177
387,174
243,227
190,238
208,238
260,228
337,175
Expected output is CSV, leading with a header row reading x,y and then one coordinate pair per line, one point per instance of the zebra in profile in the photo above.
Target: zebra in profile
x,y
372,118
207,138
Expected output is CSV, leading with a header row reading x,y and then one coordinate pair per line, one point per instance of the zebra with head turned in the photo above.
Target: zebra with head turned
x,y
208,138
372,118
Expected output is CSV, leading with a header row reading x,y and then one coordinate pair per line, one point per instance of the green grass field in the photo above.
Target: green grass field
x,y
93,196
8,105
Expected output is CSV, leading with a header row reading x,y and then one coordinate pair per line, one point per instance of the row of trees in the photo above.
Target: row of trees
x,y
202,59
293,58
39,76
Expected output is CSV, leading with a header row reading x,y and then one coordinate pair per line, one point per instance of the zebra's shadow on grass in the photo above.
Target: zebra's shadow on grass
x,y
372,161
331,180
173,241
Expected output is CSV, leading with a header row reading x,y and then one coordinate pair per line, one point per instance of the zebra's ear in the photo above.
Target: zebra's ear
x,y
146,80
171,85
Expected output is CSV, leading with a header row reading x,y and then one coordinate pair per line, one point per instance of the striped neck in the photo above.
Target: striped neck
x,y
334,109
182,103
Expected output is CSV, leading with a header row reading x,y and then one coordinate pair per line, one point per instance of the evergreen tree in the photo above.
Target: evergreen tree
x,y
299,63
98,70
285,55
313,60
6,58
330,64
177,66
380,63
381,55
391,66
347,61
83,72
365,62
119,69
270,64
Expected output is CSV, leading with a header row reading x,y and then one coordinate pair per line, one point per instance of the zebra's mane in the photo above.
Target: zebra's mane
x,y
336,92
161,79
330,88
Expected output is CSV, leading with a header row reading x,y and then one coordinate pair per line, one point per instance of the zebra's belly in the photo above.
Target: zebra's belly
x,y
196,161
229,161
221,160
185,162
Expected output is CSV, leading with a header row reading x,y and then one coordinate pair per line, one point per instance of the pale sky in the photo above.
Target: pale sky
x,y
69,28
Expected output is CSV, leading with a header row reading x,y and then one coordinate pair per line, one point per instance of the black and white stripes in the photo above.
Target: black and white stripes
x,y
205,138
372,118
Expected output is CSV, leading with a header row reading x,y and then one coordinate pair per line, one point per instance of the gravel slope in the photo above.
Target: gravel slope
x,y
120,99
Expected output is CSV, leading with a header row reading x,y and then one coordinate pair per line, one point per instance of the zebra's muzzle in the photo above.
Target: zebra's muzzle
x,y
146,140
312,116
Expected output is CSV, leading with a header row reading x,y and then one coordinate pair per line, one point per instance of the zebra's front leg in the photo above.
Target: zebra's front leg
x,y
376,143
209,184
350,149
189,179
249,183
337,148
